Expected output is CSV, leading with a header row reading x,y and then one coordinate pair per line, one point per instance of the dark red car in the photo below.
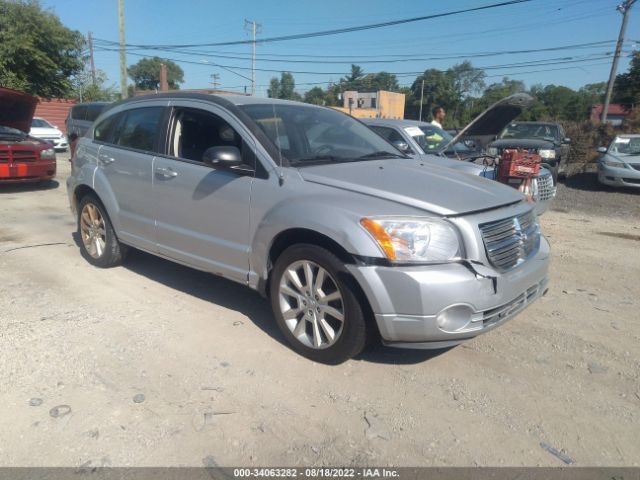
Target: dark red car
x,y
22,158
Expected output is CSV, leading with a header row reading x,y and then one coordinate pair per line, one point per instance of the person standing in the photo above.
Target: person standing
x,y
438,116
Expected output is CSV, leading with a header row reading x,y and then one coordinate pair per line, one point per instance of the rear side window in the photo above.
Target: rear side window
x,y
140,128
105,130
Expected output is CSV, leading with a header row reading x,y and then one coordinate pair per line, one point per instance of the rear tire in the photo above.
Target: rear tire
x,y
98,242
316,306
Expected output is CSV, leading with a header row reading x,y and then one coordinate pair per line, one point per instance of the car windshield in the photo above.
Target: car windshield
x,y
531,130
431,139
40,123
11,131
306,135
625,146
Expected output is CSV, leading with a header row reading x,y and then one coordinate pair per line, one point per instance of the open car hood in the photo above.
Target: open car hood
x,y
492,121
16,109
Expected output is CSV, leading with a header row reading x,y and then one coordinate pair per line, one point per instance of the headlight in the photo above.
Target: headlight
x,y
48,154
493,151
548,154
406,239
615,164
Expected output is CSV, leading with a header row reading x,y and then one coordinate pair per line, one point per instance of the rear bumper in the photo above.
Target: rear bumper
x,y
27,172
437,306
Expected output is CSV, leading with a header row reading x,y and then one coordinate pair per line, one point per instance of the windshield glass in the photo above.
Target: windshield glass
x,y
625,146
531,130
40,123
308,135
431,139
11,131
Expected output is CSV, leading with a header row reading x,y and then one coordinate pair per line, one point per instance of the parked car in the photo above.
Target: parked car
x,y
23,158
42,129
81,117
544,138
348,237
619,165
428,142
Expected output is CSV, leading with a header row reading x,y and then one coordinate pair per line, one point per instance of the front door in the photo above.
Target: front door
x,y
202,214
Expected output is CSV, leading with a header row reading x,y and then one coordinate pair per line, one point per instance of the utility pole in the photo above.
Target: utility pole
x,y
254,28
421,98
93,65
123,58
624,8
215,79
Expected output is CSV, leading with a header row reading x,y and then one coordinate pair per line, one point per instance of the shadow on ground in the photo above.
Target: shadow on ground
x,y
28,187
231,295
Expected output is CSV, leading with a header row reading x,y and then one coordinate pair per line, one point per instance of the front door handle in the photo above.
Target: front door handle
x,y
166,172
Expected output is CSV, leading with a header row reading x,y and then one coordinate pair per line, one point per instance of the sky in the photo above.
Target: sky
x,y
403,49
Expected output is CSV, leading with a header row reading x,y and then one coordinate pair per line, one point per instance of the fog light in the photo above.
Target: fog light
x,y
455,318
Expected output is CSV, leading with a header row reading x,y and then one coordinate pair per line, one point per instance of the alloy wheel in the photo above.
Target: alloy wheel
x,y
92,230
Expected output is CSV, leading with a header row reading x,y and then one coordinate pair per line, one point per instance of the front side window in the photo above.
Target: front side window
x,y
194,131
306,135
140,128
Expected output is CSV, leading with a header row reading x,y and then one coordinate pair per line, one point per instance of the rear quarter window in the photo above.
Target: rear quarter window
x,y
139,129
79,112
93,112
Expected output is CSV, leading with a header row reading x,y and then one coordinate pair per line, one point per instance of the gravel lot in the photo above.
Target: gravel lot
x,y
157,364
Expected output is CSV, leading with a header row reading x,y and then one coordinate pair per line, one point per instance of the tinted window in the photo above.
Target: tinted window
x,y
140,128
388,134
93,111
104,131
79,112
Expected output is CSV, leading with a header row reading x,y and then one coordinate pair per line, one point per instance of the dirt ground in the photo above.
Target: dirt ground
x,y
156,364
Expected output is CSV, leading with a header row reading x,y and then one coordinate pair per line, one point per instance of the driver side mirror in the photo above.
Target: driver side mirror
x,y
602,149
222,158
402,146
566,141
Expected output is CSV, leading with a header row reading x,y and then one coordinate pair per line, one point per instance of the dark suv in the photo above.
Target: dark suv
x,y
81,117
546,139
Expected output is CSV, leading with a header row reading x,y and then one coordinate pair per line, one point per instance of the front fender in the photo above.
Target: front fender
x,y
327,216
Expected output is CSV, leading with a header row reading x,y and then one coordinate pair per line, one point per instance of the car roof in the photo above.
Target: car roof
x,y
628,135
551,124
220,99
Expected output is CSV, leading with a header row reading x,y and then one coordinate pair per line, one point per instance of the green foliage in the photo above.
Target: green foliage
x,y
315,96
38,54
146,74
627,85
283,88
84,90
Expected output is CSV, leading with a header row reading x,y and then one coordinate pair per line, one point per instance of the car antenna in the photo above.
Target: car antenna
x,y
280,172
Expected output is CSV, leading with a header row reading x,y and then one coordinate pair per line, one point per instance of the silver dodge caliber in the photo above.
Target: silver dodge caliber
x,y
350,239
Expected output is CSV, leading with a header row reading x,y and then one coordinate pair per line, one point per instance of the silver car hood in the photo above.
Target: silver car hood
x,y
437,189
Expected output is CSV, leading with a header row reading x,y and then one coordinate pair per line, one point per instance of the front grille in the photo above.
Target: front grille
x,y
510,241
527,150
635,165
635,181
17,156
545,187
495,315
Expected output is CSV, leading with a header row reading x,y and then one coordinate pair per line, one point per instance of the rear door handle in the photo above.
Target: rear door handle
x,y
166,172
105,160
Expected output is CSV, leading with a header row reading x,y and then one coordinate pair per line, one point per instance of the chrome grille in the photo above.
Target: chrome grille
x,y
545,188
510,241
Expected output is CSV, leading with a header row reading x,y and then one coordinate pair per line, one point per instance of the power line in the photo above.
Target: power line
x,y
338,31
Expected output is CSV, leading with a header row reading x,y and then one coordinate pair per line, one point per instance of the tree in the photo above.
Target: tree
x,y
38,54
315,96
86,91
353,81
283,88
146,73
627,86
380,81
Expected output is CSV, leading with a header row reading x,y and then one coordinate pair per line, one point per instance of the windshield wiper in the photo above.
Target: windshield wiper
x,y
315,160
380,154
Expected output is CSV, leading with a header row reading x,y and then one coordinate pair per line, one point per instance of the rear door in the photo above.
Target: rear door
x,y
202,214
130,140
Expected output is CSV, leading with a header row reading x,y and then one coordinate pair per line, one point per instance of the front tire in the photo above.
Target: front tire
x,y
98,242
315,305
